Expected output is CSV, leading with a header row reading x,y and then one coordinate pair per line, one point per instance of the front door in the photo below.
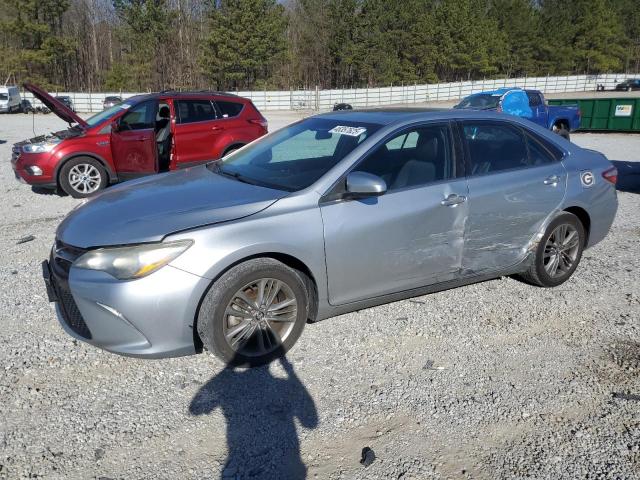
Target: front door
x,y
196,131
515,184
133,145
538,108
410,236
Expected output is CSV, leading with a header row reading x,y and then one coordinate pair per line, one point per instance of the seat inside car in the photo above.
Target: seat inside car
x,y
163,137
420,168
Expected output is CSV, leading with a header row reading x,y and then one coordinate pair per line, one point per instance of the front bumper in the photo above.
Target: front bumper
x,y
20,160
152,317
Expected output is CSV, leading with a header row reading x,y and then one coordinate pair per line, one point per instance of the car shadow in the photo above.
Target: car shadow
x,y
628,176
2,142
260,412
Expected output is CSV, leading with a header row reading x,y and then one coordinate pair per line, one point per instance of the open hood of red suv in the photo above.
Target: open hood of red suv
x,y
57,107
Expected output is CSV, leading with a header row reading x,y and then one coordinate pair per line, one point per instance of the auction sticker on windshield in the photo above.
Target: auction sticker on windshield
x,y
351,131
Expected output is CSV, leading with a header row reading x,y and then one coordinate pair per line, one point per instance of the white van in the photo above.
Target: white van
x,y
9,99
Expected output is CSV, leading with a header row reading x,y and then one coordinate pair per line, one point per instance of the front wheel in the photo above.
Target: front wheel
x,y
558,253
254,313
82,177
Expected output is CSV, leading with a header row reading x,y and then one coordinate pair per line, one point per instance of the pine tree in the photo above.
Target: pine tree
x,y
246,42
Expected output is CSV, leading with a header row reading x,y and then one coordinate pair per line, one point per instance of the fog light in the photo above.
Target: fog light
x,y
33,170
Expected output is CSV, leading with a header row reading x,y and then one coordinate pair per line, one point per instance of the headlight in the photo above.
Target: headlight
x,y
128,263
41,147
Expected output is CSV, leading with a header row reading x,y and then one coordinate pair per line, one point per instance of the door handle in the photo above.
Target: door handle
x,y
552,180
453,200
216,129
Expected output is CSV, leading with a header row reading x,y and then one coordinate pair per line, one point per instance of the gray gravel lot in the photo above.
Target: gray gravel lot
x,y
494,380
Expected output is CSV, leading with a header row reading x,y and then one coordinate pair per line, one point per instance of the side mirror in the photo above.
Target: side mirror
x,y
115,126
363,185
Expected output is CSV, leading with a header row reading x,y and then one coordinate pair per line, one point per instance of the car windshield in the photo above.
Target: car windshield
x,y
481,102
106,114
4,96
295,157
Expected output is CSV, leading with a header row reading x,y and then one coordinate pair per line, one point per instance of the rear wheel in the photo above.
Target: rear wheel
x,y
558,253
231,150
561,129
254,313
83,176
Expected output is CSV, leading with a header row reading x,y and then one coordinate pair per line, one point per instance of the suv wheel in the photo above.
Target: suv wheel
x,y
254,313
558,253
83,176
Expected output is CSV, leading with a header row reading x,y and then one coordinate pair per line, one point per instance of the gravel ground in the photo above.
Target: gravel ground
x,y
494,380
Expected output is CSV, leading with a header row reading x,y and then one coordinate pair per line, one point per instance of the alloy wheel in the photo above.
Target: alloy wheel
x,y
561,250
260,317
84,178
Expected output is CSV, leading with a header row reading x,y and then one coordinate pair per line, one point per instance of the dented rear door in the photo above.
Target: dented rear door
x,y
513,189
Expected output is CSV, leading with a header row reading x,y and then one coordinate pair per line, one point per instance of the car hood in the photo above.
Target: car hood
x,y
56,106
148,209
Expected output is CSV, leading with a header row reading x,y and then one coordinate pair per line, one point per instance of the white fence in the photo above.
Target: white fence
x,y
372,97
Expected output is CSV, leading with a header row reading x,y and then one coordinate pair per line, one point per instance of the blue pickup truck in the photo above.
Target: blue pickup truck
x,y
528,104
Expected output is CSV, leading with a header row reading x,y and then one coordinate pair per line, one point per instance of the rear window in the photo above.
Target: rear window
x,y
229,109
190,111
483,101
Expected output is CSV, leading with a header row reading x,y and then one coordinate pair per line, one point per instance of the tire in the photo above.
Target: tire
x,y
231,150
561,130
221,333
564,133
628,89
73,183
539,274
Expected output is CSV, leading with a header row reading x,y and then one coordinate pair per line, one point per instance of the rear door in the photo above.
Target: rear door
x,y
241,122
408,237
196,131
515,183
133,145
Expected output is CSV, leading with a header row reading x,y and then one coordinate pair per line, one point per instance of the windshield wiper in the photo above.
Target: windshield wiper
x,y
241,178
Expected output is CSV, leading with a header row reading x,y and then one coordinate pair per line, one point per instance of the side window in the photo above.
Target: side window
x,y
140,117
538,154
534,99
229,109
416,157
494,147
190,111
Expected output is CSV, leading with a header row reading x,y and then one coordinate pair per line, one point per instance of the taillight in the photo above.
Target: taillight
x,y
611,175
260,121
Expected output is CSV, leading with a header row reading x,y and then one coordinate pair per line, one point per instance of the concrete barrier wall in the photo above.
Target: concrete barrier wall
x,y
372,97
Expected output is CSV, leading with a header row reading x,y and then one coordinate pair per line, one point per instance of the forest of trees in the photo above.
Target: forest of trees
x,y
141,45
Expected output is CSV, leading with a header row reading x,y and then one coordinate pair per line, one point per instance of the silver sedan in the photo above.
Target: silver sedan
x,y
332,214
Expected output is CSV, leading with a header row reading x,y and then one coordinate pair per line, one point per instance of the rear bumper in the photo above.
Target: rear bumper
x,y
152,317
602,212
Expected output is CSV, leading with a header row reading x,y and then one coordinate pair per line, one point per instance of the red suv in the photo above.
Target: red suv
x,y
143,135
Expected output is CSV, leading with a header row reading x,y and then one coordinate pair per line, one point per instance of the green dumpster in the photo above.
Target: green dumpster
x,y
608,114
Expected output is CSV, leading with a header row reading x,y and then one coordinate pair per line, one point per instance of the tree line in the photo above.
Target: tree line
x,y
141,45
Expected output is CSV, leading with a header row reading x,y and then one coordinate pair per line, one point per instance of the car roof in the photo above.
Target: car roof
x,y
183,95
390,116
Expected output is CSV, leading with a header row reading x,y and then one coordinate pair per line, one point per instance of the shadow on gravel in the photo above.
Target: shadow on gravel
x,y
260,411
2,141
628,176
